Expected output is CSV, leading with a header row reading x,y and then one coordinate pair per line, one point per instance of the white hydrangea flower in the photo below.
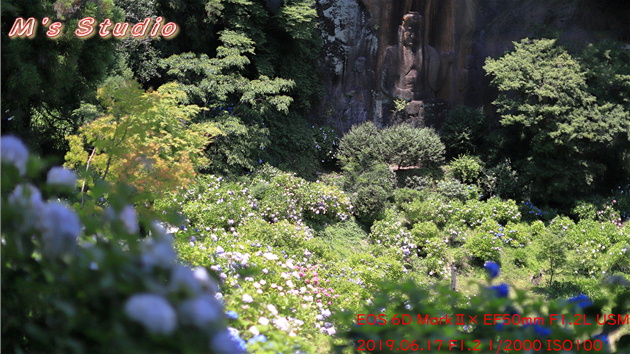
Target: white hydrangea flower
x,y
129,218
253,330
326,313
153,312
272,309
200,311
13,151
247,298
282,324
270,256
61,177
263,321
60,228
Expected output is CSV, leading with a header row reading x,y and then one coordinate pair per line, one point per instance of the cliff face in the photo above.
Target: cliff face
x,y
454,38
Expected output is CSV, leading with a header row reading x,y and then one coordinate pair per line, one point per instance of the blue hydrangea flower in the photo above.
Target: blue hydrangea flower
x,y
581,300
540,330
259,338
602,336
492,268
501,290
232,315
236,339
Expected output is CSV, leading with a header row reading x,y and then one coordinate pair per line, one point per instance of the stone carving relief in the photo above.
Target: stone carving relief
x,y
359,90
413,71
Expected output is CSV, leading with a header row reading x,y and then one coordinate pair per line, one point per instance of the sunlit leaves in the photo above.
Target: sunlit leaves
x,y
213,81
571,138
143,138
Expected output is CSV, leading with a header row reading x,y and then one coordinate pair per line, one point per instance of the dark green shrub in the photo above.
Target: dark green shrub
x,y
369,202
419,182
362,145
463,131
370,189
405,145
238,149
502,180
466,168
454,189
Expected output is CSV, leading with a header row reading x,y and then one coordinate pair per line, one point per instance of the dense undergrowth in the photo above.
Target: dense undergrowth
x,y
300,276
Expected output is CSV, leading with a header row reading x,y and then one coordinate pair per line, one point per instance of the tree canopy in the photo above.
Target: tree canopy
x,y
563,132
143,138
44,79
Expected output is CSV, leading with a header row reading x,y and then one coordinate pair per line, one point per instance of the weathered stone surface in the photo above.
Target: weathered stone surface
x,y
471,30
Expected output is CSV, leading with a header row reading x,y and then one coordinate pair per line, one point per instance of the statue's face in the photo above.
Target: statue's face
x,y
411,32
359,64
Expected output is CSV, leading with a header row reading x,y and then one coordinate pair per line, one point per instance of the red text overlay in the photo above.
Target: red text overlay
x,y
498,346
490,319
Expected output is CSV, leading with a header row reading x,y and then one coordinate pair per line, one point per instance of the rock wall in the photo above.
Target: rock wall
x,y
358,33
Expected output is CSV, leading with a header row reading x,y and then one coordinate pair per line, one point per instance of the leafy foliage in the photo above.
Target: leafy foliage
x,y
145,139
255,61
462,131
563,130
466,168
405,145
361,145
44,80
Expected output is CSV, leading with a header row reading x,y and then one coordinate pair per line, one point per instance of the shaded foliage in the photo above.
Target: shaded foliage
x,y
562,132
43,79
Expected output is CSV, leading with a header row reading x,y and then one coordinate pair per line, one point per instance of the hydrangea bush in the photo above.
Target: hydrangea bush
x,y
72,285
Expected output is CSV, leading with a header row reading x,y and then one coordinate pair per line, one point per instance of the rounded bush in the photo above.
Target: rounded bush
x,y
466,168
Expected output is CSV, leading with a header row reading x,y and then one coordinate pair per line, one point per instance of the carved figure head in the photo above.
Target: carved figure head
x,y
359,64
411,25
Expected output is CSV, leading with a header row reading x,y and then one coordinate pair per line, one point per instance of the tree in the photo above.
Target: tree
x,y
143,138
561,131
463,131
43,79
607,66
361,145
405,145
253,64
